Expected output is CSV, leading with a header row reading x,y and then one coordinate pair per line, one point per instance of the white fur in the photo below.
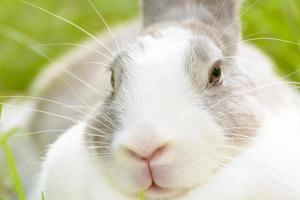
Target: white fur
x,y
79,178
162,108
162,97
268,170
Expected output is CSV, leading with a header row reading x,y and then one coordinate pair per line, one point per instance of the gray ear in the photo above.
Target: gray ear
x,y
154,10
223,11
221,15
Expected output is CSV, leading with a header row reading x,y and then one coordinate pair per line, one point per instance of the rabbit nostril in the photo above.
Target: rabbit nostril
x,y
155,153
146,155
133,153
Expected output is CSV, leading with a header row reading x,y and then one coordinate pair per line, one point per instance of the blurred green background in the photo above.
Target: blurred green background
x,y
23,28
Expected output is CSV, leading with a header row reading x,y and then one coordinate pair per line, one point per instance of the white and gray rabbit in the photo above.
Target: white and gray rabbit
x,y
187,112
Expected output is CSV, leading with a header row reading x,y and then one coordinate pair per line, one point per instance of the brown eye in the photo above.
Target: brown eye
x,y
215,74
112,79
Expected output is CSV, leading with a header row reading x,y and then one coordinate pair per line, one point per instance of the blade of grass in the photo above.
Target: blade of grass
x,y
142,196
43,196
14,172
6,135
0,136
11,161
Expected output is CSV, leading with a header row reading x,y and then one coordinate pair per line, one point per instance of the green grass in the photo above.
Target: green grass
x,y
13,171
278,19
142,196
23,29
18,21
43,196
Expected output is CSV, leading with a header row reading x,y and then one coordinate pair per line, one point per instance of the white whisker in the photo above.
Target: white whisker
x,y
105,23
69,22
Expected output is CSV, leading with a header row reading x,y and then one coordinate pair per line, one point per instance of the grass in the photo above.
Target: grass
x,y
276,20
20,22
273,25
13,171
142,196
43,196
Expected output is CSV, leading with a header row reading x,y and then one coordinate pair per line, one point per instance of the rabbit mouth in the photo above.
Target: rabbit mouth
x,y
157,192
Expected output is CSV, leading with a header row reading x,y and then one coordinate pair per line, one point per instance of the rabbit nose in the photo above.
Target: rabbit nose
x,y
146,153
144,142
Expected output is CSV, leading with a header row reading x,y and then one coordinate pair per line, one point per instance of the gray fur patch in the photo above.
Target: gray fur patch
x,y
220,15
197,57
100,127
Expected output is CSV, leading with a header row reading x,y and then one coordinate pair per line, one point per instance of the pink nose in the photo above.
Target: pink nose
x,y
146,154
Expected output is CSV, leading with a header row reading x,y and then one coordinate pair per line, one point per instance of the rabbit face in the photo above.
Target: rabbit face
x,y
179,111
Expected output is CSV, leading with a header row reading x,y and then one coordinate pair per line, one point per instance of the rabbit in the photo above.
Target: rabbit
x,y
190,113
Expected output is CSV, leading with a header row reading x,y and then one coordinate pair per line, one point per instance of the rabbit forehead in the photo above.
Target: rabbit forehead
x,y
156,69
160,68
169,52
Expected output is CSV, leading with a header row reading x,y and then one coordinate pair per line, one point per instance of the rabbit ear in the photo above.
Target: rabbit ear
x,y
222,15
154,10
165,10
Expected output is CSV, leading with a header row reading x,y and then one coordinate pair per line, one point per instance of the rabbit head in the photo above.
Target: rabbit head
x,y
179,107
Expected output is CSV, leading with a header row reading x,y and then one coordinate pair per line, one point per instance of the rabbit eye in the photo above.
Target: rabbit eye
x,y
215,74
112,79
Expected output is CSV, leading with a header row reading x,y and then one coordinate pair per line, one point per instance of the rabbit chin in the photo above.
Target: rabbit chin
x,y
152,189
160,184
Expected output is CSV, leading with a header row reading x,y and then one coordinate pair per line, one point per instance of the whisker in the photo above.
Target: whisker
x,y
58,103
105,136
76,45
52,114
106,144
43,99
99,147
253,34
75,94
33,46
69,22
218,13
242,14
39,132
105,23
99,63
266,39
249,92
